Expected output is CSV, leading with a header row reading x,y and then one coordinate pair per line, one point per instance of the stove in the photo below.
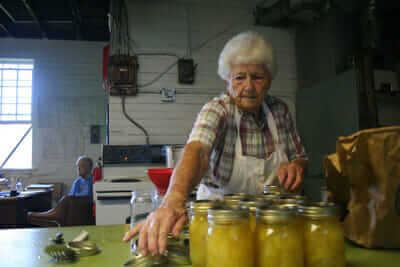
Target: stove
x,y
124,171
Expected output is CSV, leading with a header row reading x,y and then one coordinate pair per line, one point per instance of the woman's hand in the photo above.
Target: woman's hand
x,y
291,174
153,232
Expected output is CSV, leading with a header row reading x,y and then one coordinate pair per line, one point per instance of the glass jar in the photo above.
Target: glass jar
x,y
272,189
230,241
141,205
323,235
252,204
232,200
270,196
290,200
198,228
278,238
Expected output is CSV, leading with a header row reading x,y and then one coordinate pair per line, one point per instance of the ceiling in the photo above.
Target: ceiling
x,y
55,19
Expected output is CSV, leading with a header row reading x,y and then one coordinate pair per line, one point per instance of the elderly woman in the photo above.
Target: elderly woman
x,y
246,137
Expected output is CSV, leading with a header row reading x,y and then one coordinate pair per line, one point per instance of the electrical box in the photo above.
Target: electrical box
x,y
186,71
95,134
122,75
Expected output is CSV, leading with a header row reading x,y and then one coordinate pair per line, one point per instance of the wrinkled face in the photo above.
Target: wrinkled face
x,y
82,168
248,85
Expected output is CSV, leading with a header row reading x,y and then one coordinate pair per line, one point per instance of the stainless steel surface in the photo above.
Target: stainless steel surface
x,y
173,155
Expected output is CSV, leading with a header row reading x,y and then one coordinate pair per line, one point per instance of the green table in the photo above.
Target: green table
x,y
25,248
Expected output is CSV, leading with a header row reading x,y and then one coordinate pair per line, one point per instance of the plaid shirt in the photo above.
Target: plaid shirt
x,y
215,127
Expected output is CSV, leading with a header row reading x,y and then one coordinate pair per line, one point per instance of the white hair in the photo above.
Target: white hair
x,y
246,48
88,161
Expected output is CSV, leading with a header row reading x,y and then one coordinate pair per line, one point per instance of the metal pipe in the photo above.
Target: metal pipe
x,y
15,148
7,13
5,29
33,15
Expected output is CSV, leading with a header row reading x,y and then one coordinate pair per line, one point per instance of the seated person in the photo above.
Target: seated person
x,y
83,185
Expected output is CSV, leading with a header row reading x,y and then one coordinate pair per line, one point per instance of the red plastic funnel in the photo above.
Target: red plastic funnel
x,y
160,178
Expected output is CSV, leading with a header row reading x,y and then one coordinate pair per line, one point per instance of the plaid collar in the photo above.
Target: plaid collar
x,y
262,122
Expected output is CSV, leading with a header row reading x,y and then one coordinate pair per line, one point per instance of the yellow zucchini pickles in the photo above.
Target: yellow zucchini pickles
x,y
323,235
278,238
267,231
230,240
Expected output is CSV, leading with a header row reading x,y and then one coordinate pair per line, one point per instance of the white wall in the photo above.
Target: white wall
x,y
67,98
161,26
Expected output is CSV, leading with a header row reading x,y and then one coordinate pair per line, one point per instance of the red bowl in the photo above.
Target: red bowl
x,y
160,178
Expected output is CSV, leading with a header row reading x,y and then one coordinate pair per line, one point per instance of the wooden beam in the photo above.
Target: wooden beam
x,y
35,18
2,27
77,19
7,13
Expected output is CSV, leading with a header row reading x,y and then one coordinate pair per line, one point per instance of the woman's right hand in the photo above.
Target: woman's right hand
x,y
153,232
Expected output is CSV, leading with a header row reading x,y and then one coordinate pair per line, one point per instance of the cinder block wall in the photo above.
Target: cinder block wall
x,y
162,26
67,98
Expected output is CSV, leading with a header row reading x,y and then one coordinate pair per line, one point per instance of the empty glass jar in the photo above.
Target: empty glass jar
x,y
141,205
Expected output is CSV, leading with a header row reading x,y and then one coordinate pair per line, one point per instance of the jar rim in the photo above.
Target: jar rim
x,y
202,206
271,212
319,209
226,213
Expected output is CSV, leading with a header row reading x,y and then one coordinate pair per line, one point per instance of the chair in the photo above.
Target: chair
x,y
58,190
70,211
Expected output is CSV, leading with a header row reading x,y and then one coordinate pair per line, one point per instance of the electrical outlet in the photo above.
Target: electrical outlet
x,y
168,94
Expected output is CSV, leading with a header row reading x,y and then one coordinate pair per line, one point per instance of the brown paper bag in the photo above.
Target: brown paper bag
x,y
364,178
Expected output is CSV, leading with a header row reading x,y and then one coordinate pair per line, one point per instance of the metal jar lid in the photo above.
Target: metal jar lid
x,y
232,200
253,203
237,196
145,261
275,214
291,199
178,256
272,189
270,196
83,248
225,214
202,206
319,210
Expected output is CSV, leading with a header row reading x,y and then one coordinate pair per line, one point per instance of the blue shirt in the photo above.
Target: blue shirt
x,y
82,187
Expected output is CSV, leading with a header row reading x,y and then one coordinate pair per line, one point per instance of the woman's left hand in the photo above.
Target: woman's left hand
x,y
291,174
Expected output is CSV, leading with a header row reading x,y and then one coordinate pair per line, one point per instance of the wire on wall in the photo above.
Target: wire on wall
x,y
134,122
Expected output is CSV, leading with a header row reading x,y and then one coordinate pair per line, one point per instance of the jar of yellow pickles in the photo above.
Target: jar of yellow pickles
x,y
278,237
230,241
269,196
323,235
252,204
272,189
232,200
291,200
198,228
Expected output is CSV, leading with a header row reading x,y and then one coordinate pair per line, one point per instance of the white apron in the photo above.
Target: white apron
x,y
250,174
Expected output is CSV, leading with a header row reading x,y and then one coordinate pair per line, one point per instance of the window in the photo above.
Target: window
x,y
16,113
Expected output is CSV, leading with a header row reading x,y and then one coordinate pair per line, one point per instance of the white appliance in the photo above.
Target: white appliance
x,y
124,171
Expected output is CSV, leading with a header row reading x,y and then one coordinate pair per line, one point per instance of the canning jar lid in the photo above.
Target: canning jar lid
x,y
237,196
272,188
291,199
269,196
146,261
225,214
271,214
253,203
201,206
319,209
